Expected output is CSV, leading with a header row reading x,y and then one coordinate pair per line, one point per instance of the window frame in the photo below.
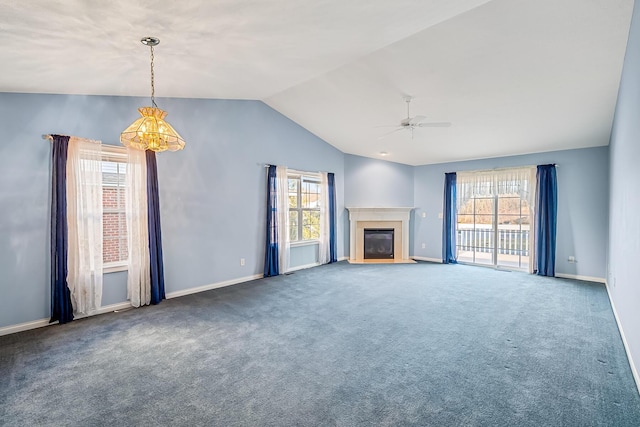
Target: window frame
x,y
301,177
116,154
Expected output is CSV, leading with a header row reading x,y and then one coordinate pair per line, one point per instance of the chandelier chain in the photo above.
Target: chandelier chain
x,y
153,89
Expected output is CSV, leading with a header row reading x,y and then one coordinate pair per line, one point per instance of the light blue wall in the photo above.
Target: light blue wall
x,y
376,183
624,202
212,194
303,256
582,205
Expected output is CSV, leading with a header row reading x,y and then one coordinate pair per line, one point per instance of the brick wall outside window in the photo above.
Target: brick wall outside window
x,y
114,223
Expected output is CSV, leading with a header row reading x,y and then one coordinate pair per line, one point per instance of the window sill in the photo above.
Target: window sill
x,y
113,268
304,243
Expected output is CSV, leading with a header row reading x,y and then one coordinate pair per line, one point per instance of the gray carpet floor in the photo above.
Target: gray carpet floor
x,y
337,345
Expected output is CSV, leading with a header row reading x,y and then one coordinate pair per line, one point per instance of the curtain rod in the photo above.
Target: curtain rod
x,y
49,137
266,165
503,169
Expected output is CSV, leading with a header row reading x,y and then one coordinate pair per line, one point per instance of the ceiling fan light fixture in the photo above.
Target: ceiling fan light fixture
x,y
151,131
411,123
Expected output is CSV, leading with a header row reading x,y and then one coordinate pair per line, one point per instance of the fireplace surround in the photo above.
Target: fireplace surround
x,y
396,219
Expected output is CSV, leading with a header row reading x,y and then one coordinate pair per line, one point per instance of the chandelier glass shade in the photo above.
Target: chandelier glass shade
x,y
151,131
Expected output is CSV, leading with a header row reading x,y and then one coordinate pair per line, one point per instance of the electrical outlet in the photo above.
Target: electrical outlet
x,y
572,258
424,245
241,261
424,214
440,215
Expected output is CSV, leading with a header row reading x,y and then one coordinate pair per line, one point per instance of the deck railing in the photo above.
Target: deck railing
x,y
510,241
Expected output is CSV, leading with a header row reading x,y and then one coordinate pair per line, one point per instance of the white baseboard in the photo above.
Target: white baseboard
x,y
204,288
343,258
45,322
106,309
632,365
583,278
302,267
35,324
422,258
123,305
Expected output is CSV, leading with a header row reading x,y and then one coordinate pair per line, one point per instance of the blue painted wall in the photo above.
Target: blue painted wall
x,y
582,205
212,194
624,203
376,183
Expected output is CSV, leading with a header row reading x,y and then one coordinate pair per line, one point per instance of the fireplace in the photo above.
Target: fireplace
x,y
378,243
396,219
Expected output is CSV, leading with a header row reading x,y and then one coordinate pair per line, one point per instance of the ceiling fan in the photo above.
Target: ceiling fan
x,y
411,123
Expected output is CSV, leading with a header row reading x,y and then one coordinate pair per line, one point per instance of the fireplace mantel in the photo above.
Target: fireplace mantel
x,y
363,217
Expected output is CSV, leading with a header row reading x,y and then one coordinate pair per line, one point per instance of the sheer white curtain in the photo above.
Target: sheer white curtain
x,y
533,183
84,219
139,276
282,209
497,182
323,247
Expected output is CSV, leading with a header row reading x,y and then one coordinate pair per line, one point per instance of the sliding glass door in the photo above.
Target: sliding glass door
x,y
514,232
476,231
494,218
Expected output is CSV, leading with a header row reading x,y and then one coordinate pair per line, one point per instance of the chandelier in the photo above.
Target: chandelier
x,y
151,131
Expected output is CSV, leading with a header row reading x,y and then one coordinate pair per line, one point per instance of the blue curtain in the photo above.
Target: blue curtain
x,y
155,234
449,220
271,247
546,216
333,245
61,308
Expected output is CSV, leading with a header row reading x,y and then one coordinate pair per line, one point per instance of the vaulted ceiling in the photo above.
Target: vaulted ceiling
x,y
512,76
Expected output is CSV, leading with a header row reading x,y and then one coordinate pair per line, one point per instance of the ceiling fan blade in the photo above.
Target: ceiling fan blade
x,y
434,125
386,126
415,120
393,131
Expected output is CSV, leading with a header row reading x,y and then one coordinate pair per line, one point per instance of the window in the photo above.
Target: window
x,y
114,220
304,207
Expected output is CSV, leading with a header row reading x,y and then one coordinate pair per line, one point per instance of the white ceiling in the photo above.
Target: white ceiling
x,y
514,76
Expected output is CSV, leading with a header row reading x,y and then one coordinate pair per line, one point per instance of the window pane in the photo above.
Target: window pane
x,y
293,226
509,210
114,169
293,192
465,207
109,198
121,198
465,219
124,249
113,174
483,246
484,206
110,252
114,232
310,225
310,194
484,221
